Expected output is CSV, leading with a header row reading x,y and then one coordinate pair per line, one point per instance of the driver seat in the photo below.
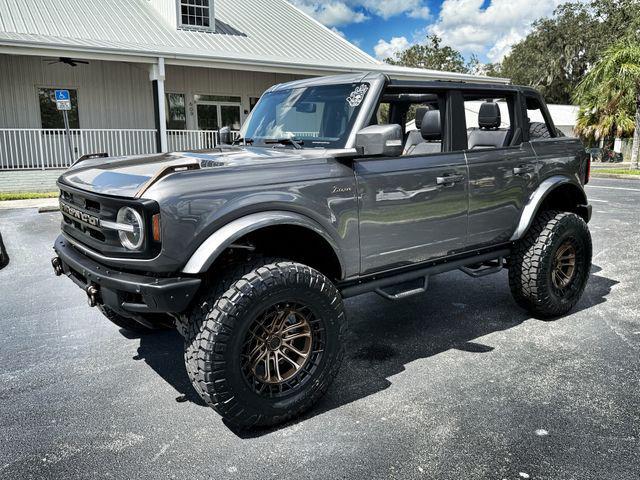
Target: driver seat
x,y
431,131
415,136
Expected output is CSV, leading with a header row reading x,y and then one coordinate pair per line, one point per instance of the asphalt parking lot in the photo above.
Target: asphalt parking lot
x,y
456,384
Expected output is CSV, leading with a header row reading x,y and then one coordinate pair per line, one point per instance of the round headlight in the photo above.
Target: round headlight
x,y
132,238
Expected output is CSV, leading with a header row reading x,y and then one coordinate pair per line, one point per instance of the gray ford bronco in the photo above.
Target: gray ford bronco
x,y
336,187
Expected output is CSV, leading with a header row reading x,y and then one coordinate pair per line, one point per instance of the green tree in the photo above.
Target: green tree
x,y
560,50
430,55
609,96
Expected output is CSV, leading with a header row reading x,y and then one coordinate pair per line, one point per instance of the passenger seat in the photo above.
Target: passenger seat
x,y
489,135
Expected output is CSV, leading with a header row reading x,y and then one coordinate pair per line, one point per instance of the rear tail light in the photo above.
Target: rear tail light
x,y
587,175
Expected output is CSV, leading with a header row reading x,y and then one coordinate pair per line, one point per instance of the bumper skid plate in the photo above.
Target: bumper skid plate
x,y
122,291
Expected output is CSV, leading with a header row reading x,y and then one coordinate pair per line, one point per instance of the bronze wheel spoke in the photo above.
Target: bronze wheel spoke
x,y
564,265
277,365
294,364
297,335
296,351
277,351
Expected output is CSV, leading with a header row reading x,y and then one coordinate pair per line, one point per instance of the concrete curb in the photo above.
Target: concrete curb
x,y
29,203
595,174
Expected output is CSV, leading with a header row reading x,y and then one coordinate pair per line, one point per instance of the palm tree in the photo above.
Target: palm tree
x,y
609,96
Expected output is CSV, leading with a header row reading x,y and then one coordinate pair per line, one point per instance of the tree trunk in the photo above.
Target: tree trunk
x,y
635,149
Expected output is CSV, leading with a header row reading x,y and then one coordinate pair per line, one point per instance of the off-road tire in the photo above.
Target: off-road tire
x,y
190,325
532,262
124,323
538,131
218,325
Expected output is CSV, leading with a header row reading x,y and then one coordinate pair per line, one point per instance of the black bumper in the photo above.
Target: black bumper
x,y
125,293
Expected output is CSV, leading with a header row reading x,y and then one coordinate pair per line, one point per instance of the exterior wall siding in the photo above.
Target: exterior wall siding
x,y
192,81
116,94
110,94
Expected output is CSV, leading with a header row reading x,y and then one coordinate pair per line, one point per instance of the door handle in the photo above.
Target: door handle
x,y
449,180
524,169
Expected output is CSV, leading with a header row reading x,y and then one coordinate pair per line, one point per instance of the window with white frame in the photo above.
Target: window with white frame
x,y
196,14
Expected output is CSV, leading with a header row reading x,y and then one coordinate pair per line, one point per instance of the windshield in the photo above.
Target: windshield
x,y
314,117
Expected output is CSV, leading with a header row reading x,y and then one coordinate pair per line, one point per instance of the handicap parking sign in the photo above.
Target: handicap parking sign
x,y
63,100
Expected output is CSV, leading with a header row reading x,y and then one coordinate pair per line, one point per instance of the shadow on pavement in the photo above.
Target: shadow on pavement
x,y
384,337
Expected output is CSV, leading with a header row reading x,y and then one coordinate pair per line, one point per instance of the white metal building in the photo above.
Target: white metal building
x,y
152,75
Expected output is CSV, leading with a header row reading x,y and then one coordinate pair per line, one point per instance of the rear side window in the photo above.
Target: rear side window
x,y
489,121
540,126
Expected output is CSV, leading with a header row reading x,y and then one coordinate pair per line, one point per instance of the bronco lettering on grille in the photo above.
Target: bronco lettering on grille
x,y
79,215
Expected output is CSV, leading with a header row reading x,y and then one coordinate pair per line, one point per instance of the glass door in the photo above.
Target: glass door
x,y
208,117
230,115
217,111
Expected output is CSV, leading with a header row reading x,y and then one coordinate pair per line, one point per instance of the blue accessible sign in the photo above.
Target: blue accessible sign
x,y
63,100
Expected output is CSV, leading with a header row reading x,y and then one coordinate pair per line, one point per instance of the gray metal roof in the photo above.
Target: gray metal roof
x,y
265,33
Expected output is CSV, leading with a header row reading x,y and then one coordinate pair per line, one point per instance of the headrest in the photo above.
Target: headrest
x,y
430,128
420,111
489,115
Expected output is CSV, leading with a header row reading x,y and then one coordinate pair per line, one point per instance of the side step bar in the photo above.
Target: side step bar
x,y
377,284
487,269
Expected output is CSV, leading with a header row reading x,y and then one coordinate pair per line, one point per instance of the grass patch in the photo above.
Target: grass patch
x,y
617,171
27,195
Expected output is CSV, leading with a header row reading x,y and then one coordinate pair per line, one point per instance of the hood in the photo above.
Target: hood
x,y
132,176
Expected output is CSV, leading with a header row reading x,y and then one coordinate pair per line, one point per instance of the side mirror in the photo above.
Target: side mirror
x,y
382,140
225,136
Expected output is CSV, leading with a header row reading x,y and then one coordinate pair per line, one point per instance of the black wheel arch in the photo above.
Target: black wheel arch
x,y
561,193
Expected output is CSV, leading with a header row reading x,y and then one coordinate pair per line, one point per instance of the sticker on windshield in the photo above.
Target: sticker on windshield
x,y
356,97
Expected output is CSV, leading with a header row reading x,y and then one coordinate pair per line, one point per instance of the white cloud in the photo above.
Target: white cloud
x,y
339,32
331,14
390,8
466,26
344,12
388,49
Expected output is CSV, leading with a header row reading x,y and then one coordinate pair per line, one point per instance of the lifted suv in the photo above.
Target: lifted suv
x,y
338,186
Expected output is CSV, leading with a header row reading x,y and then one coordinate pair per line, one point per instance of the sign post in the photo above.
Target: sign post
x,y
63,103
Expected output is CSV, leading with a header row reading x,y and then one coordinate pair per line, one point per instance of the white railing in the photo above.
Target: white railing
x,y
36,148
179,140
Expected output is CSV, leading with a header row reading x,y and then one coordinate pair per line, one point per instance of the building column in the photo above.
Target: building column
x,y
157,77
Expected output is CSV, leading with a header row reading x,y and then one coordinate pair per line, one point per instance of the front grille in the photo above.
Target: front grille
x,y
81,215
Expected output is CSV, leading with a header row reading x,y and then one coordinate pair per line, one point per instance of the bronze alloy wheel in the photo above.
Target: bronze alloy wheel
x,y
282,347
564,265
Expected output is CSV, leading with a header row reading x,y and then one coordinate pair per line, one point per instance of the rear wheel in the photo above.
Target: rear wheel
x,y
550,266
269,347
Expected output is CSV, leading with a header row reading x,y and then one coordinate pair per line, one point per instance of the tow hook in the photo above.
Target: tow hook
x,y
92,295
57,266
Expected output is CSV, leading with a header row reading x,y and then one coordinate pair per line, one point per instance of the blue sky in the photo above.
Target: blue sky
x,y
486,28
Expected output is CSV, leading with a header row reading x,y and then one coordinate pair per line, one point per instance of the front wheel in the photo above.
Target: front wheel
x,y
269,346
550,266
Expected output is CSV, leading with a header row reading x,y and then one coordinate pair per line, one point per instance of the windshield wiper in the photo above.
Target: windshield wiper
x,y
297,144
